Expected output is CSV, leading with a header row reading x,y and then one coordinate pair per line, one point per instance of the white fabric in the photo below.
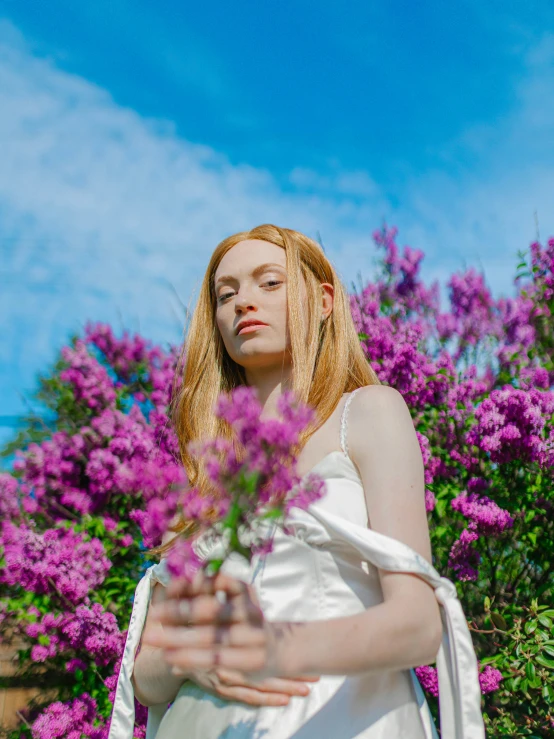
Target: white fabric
x,y
326,568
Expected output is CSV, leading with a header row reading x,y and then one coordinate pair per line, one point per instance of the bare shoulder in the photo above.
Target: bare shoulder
x,y
377,398
378,414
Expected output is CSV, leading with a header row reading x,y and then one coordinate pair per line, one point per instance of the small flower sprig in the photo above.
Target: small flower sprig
x,y
251,495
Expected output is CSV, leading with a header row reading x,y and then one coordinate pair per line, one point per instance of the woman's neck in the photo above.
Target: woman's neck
x,y
270,383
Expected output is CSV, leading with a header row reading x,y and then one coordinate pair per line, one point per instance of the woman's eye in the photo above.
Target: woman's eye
x,y
271,283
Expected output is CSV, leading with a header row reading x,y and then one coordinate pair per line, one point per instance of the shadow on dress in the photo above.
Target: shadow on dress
x,y
243,730
337,720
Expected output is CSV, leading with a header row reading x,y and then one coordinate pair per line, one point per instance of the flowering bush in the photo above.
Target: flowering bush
x,y
74,526
77,506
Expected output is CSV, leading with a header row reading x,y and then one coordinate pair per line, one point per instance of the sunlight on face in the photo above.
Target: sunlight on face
x,y
251,285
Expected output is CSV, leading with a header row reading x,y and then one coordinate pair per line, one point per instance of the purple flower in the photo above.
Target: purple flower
x,y
90,380
489,679
55,560
464,559
428,678
72,720
262,484
486,516
9,497
182,560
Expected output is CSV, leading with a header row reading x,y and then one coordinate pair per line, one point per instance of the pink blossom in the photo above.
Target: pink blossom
x,y
489,679
428,678
486,516
464,559
55,559
262,484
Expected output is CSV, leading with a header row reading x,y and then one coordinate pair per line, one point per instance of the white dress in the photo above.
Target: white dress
x,y
326,568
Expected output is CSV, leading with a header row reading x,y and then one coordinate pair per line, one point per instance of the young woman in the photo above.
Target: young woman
x,y
320,638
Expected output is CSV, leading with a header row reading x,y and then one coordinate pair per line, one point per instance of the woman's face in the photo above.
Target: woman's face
x,y
251,285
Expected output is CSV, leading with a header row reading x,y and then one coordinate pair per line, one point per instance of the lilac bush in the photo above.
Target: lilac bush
x,y
74,525
92,488
479,381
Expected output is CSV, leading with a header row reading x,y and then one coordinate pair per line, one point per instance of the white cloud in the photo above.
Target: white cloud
x,y
100,209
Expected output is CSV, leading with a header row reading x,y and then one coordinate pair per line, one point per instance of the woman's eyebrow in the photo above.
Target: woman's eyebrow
x,y
255,272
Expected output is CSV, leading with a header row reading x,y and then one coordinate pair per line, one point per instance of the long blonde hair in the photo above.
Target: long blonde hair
x,y
331,362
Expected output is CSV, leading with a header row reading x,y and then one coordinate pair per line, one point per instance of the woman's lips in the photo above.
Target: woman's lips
x,y
252,327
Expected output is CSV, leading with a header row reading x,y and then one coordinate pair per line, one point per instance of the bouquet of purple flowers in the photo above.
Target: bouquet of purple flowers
x,y
249,496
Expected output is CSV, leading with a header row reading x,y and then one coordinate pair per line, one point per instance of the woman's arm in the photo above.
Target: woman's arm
x,y
405,630
383,444
152,679
402,632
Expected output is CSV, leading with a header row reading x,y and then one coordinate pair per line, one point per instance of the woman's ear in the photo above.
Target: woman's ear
x,y
328,292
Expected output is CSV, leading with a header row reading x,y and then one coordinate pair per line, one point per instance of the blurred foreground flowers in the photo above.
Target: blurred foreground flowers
x,y
250,494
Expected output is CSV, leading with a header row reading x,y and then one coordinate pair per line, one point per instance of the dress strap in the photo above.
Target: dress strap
x,y
344,421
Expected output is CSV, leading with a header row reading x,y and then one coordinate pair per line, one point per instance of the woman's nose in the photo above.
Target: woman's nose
x,y
243,301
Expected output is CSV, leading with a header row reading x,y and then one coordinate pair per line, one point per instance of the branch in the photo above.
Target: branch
x,y
63,509
20,715
62,596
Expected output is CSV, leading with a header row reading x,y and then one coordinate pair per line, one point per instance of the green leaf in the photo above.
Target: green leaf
x,y
530,671
214,566
549,691
549,613
544,661
499,621
530,626
545,621
273,513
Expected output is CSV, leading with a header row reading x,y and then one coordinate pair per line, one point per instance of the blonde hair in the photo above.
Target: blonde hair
x,y
330,363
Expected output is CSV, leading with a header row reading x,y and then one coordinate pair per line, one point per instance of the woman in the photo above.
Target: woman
x,y
320,638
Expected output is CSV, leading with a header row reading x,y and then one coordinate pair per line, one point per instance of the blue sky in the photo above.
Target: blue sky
x,y
135,136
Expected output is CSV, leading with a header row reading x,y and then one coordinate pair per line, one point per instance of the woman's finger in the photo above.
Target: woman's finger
x,y
204,585
205,609
252,697
280,685
289,685
234,635
249,660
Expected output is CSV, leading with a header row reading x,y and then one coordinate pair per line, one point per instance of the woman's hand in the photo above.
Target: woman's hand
x,y
233,686
216,622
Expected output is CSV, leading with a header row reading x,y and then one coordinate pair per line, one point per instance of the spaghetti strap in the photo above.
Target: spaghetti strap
x,y
344,421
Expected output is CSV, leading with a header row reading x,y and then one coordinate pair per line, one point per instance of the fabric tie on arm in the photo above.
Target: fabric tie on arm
x,y
457,669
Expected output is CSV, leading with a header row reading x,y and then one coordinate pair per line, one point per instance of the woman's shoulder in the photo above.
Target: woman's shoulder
x,y
369,395
373,408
